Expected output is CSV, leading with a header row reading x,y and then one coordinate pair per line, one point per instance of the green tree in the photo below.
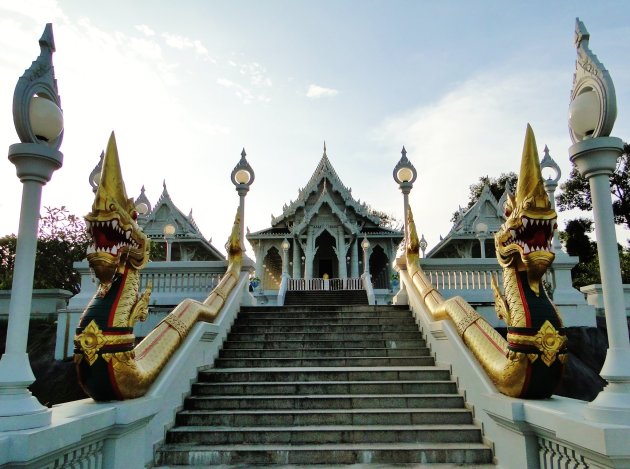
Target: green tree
x,y
387,220
497,187
62,240
576,192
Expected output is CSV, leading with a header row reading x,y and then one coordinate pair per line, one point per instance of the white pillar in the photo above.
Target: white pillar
x,y
354,259
297,262
596,160
18,408
341,254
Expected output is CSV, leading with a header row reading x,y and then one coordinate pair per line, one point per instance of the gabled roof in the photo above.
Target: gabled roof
x,y
166,212
469,222
324,171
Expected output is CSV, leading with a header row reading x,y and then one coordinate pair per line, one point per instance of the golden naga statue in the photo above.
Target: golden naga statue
x,y
109,364
529,364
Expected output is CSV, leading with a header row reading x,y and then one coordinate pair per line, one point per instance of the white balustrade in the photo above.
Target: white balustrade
x,y
320,284
463,279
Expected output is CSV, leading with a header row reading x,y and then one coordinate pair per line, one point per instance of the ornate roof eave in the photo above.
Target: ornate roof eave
x,y
324,170
325,198
485,196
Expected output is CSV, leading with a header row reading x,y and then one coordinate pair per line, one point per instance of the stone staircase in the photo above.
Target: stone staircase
x,y
324,385
326,297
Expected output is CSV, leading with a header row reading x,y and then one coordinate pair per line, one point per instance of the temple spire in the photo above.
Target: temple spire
x,y
325,149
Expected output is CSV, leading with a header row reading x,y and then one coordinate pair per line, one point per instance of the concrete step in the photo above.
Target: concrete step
x,y
231,343
323,352
396,373
246,328
339,336
323,321
328,401
256,418
313,309
323,362
330,455
326,434
246,389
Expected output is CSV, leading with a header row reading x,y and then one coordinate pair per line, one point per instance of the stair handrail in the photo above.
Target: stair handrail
x,y
282,291
369,288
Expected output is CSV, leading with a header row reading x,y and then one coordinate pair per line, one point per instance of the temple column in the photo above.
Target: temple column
x,y
354,259
297,261
260,272
309,254
341,254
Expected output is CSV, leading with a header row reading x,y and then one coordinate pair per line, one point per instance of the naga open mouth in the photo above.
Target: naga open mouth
x,y
534,235
109,237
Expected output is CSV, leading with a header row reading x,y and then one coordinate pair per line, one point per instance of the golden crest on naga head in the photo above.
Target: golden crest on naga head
x,y
525,239
116,237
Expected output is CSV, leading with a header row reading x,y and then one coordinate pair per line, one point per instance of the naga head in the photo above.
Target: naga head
x,y
524,240
117,240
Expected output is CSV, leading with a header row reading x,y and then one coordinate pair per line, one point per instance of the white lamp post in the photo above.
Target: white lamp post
x,y
169,232
551,183
592,115
482,231
242,177
423,245
405,175
38,120
285,257
365,244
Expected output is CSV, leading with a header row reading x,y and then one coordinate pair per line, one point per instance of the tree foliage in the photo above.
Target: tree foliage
x,y
497,187
62,240
576,192
577,243
387,220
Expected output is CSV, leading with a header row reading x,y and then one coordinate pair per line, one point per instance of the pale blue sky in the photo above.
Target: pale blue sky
x,y
187,84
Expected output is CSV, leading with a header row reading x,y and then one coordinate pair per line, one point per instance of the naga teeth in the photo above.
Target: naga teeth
x,y
525,221
114,224
127,234
526,249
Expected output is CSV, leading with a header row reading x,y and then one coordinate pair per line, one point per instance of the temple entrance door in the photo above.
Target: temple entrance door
x,y
325,267
379,268
325,261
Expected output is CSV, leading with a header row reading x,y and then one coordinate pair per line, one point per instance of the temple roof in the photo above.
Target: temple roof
x,y
166,212
484,217
325,201
324,172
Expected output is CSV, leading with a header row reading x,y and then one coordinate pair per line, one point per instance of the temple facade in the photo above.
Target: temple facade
x,y
472,233
166,225
321,234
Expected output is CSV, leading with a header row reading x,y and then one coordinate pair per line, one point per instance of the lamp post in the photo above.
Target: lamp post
x,y
365,244
242,177
169,232
423,245
592,114
38,120
482,231
405,175
551,183
285,257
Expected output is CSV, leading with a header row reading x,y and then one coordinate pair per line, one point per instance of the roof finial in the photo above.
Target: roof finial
x,y
243,154
403,151
325,148
164,183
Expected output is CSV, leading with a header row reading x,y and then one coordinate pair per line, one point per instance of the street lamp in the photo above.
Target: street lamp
x,y
285,256
242,177
365,244
38,121
551,183
405,175
482,231
592,114
169,232
423,245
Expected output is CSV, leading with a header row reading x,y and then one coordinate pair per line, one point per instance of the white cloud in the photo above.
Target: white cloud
x,y
177,41
144,29
316,91
476,129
